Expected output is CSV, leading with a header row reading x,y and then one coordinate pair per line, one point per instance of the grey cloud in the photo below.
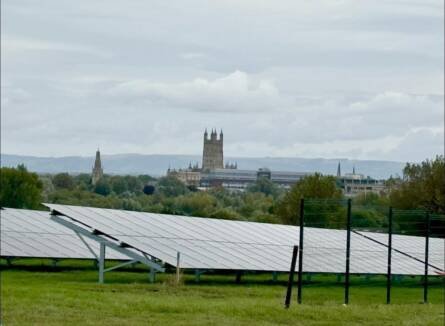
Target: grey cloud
x,y
236,92
330,78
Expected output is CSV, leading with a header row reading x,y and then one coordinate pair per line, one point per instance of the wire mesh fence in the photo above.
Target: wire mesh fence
x,y
369,239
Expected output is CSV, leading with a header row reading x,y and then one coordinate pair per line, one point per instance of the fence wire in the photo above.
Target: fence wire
x,y
369,240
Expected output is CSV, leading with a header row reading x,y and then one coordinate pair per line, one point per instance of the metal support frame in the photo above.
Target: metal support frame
x,y
104,242
101,262
87,245
388,274
120,265
178,264
152,277
9,261
348,251
238,277
198,273
274,276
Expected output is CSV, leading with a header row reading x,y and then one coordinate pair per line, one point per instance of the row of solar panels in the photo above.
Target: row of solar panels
x,y
209,243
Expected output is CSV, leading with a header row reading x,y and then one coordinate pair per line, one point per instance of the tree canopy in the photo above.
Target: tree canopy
x,y
20,188
265,186
313,186
422,186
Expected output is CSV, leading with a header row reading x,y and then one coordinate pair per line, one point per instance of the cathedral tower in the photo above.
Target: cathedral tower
x,y
212,157
98,172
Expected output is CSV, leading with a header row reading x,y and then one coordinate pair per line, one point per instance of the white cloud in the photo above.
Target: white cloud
x,y
11,96
14,45
330,78
236,92
192,55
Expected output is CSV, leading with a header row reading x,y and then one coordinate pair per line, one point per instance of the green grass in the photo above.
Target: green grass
x,y
33,293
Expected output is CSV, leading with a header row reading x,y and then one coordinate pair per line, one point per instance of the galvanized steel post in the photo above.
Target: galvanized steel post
x,y
152,276
178,259
101,263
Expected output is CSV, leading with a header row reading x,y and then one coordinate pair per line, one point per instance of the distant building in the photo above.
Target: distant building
x,y
232,166
237,179
212,157
214,173
190,176
353,184
98,172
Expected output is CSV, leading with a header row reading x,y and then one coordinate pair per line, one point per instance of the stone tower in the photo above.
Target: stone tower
x,y
98,172
212,157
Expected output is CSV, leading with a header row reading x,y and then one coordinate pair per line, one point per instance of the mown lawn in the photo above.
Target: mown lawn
x,y
33,293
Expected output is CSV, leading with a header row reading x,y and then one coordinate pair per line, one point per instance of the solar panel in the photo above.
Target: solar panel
x,y
30,233
236,245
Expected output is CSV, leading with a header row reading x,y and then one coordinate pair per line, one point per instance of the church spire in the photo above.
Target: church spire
x,y
97,162
98,172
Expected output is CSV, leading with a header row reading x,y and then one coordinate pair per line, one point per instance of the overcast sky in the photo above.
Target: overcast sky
x,y
350,79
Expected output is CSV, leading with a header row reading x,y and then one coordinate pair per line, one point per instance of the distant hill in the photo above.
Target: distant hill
x,y
156,165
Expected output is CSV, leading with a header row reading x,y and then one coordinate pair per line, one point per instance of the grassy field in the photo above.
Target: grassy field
x,y
34,293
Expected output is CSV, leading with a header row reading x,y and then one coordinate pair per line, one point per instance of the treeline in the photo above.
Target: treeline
x,y
422,187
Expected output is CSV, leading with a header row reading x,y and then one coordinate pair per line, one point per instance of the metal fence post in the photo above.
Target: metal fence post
x,y
291,277
427,241
152,277
101,262
300,251
348,251
178,260
388,274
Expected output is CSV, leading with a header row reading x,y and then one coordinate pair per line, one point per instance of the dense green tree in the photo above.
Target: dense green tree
x,y
131,205
225,213
63,180
196,204
265,186
367,218
371,200
20,188
83,180
145,178
134,184
102,187
314,186
118,184
422,186
47,186
149,189
171,187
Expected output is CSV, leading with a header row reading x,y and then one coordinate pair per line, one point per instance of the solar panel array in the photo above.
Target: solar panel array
x,y
236,245
29,233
